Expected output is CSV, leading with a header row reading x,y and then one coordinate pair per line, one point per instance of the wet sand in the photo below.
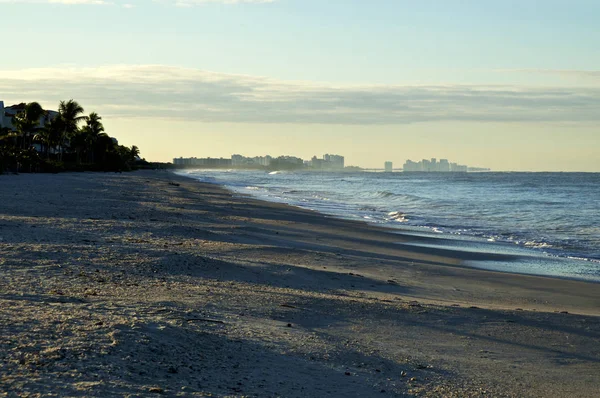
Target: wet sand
x,y
147,283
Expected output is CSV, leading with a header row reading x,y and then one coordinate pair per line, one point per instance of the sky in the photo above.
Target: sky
x,y
510,85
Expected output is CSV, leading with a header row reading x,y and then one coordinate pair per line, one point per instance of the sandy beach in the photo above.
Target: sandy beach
x,y
146,283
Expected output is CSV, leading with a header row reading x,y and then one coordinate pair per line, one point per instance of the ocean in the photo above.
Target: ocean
x,y
549,221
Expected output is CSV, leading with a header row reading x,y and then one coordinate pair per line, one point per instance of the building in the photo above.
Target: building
x,y
411,166
317,163
183,162
202,162
287,163
238,160
444,166
388,167
265,160
425,165
478,169
458,168
334,162
8,113
243,161
433,166
328,163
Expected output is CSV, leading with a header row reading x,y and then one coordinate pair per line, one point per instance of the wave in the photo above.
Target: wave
x,y
537,245
499,208
407,197
397,216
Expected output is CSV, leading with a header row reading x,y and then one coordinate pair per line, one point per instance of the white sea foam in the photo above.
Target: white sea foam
x,y
397,216
538,245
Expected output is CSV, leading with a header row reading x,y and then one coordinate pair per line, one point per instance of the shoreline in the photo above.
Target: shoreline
x,y
149,282
449,242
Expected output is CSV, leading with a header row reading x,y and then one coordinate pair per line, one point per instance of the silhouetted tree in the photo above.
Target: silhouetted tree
x,y
27,121
70,113
92,130
134,152
61,132
51,135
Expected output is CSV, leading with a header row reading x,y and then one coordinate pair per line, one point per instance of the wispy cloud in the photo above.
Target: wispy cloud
x,y
169,92
569,73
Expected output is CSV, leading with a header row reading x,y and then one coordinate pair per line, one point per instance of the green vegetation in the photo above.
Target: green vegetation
x,y
65,141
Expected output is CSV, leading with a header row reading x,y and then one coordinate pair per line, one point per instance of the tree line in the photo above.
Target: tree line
x,y
68,140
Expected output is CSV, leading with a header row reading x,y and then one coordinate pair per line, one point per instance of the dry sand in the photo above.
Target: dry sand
x,y
146,283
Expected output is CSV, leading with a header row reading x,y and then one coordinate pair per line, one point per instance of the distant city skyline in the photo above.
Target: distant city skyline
x,y
326,162
509,85
441,166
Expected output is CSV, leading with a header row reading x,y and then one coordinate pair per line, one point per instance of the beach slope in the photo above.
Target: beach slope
x,y
147,283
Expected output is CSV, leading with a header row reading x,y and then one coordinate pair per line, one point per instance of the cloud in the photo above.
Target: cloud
x,y
171,92
587,75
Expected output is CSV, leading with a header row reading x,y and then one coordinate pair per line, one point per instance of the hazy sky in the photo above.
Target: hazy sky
x,y
506,84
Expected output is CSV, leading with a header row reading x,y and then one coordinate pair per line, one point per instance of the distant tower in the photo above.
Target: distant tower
x,y
426,165
1,113
434,165
388,167
444,165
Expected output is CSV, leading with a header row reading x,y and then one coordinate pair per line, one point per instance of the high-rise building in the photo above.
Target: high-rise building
x,y
388,167
444,166
317,163
238,160
433,166
333,161
243,161
265,160
204,162
426,165
412,166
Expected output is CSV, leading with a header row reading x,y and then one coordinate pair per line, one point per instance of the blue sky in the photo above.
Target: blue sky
x,y
348,41
317,67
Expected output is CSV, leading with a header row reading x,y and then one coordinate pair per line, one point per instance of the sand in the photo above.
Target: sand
x,y
145,283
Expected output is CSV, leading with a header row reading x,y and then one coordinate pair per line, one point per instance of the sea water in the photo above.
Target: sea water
x,y
550,220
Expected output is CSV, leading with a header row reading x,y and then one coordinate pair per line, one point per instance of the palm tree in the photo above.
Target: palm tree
x,y
43,137
70,113
6,135
27,121
93,129
79,142
134,152
104,146
51,135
